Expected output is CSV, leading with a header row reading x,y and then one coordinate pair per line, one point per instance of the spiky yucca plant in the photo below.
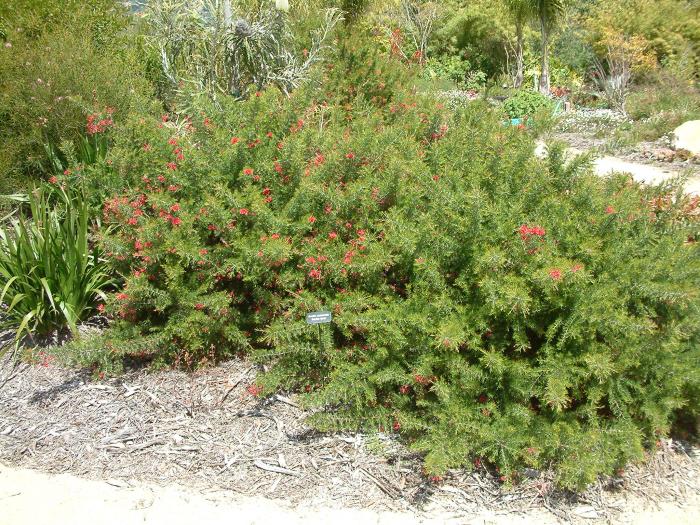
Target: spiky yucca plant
x,y
213,48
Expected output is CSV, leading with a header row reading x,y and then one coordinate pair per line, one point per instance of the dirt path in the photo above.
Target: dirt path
x,y
28,497
645,172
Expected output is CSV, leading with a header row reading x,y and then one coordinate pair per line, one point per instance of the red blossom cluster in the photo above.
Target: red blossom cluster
x,y
555,274
424,380
96,125
527,232
254,390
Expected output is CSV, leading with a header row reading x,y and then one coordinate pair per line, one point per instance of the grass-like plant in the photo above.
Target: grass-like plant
x,y
50,276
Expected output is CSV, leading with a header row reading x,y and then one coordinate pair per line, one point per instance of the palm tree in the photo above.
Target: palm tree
x,y
547,12
522,11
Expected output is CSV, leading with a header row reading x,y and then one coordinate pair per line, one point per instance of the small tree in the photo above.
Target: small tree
x,y
521,11
547,12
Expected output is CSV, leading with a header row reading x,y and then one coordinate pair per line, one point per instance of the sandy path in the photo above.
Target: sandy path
x,y
646,173
29,497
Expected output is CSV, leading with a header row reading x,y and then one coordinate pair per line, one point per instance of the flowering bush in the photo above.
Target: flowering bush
x,y
60,60
488,305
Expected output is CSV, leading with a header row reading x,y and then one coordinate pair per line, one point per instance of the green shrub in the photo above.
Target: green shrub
x,y
455,70
50,277
62,61
487,305
526,103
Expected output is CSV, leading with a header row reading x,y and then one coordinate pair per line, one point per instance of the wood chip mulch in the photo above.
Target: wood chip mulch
x,y
205,431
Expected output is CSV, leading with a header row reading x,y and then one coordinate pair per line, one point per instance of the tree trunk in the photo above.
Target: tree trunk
x,y
544,74
519,58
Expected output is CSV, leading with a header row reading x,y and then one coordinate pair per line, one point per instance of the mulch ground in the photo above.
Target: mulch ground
x,y
205,431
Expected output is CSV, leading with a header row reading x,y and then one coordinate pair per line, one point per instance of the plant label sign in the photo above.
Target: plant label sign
x,y
318,317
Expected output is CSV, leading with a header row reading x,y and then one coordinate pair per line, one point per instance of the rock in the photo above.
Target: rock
x,y
687,136
586,511
664,154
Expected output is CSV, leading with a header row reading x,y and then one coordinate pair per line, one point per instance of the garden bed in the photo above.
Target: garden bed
x,y
206,431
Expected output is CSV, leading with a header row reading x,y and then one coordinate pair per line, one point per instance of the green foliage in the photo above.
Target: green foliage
x,y
61,61
487,304
477,32
50,276
672,27
526,103
455,70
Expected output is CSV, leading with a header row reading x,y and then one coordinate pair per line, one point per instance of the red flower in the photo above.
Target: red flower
x,y
275,236
53,180
609,210
175,207
404,389
332,235
577,268
199,306
396,426
312,219
436,178
171,166
172,141
100,308
248,171
254,390
235,140
133,221
203,251
526,232
266,191
555,274
315,274
244,211
311,260
350,156
175,221
173,188
122,296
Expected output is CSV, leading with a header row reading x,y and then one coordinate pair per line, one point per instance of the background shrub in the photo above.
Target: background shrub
x,y
526,103
61,61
